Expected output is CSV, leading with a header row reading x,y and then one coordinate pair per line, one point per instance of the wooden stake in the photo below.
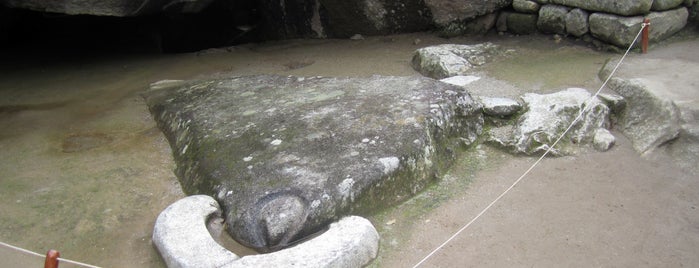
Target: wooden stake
x,y
52,259
644,36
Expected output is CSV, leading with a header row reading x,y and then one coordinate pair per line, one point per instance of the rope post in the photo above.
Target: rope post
x,y
644,36
52,259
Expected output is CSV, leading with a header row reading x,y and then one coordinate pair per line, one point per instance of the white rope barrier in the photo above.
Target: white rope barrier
x,y
540,158
43,256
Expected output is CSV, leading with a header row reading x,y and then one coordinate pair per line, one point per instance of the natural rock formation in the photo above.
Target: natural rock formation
x,y
552,19
526,6
448,60
577,23
499,107
287,155
520,23
547,116
445,12
619,7
603,140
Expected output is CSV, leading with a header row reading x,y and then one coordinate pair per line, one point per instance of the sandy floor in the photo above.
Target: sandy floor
x,y
86,172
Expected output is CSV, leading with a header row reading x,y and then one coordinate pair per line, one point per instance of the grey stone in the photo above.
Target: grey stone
x,y
445,12
448,60
619,7
577,23
547,116
648,120
525,6
181,236
460,80
500,107
617,30
603,140
552,19
519,23
662,5
501,23
666,23
615,102
620,31
284,156
119,8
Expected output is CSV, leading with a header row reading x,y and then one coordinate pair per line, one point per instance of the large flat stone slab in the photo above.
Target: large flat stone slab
x,y
285,156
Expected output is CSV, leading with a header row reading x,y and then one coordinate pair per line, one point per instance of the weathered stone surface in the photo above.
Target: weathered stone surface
x,y
445,12
552,19
617,30
374,17
620,31
287,155
665,24
648,120
613,101
501,22
525,6
577,23
119,8
547,116
448,60
460,80
661,5
519,23
603,140
499,107
619,7
181,236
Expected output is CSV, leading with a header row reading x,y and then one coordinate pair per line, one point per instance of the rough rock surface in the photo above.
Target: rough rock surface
x,y
499,107
547,116
661,5
448,60
620,7
445,12
577,23
603,140
519,23
648,119
620,31
525,6
552,19
181,236
287,155
373,17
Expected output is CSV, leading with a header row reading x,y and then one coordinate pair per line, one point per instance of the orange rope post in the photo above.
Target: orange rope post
x,y
52,259
644,36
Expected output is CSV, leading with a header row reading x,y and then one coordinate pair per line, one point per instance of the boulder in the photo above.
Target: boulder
x,y
445,12
552,19
617,30
525,6
619,7
577,23
520,23
662,5
499,107
448,60
373,17
285,156
501,22
547,116
666,23
183,240
648,120
621,31
603,140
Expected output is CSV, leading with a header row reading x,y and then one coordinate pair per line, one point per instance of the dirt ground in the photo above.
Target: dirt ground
x,y
86,171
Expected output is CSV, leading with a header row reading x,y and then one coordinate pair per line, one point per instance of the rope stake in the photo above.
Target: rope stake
x,y
643,26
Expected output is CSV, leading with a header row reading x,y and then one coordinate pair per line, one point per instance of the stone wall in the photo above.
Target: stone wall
x,y
612,22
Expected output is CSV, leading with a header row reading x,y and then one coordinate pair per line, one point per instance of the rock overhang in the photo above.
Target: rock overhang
x,y
287,155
